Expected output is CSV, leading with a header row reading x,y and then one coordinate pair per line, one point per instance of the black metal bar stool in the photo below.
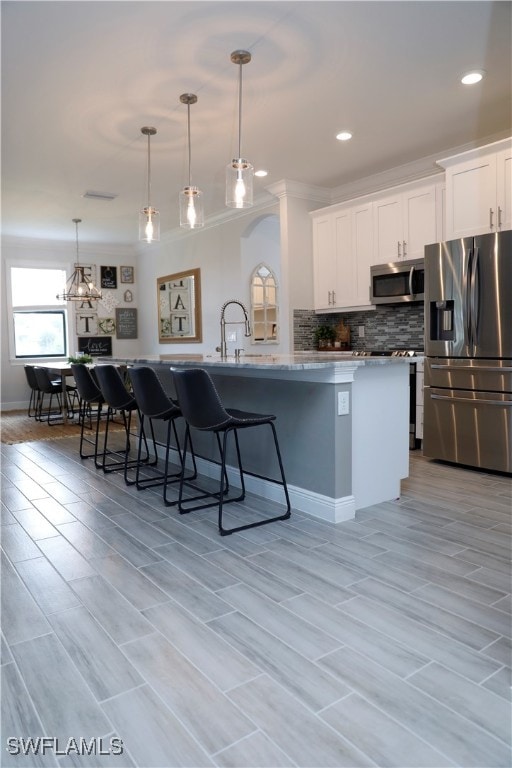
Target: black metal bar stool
x,y
91,401
118,399
202,408
47,386
33,404
154,404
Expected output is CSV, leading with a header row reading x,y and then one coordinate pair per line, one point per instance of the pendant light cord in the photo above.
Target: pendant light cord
x,y
149,171
240,111
189,149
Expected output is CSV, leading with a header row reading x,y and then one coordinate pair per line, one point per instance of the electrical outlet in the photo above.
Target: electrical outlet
x,y
231,336
360,330
343,404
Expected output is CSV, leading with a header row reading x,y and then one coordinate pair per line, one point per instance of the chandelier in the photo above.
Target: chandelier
x,y
80,286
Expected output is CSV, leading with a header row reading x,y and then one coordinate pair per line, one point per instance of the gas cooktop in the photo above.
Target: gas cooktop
x,y
387,352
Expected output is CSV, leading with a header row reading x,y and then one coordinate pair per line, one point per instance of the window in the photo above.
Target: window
x,y
39,318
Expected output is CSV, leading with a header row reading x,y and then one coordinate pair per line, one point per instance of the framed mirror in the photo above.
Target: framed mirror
x,y
179,307
264,308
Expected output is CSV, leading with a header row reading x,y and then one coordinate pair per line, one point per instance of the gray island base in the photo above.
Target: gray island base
x,y
342,422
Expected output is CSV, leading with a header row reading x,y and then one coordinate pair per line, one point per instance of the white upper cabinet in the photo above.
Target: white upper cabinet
x,y
324,262
342,254
349,237
479,190
404,222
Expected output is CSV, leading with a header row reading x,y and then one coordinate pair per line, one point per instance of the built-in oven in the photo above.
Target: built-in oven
x,y
397,282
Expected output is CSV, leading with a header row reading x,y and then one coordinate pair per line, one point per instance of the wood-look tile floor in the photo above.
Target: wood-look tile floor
x,y
383,641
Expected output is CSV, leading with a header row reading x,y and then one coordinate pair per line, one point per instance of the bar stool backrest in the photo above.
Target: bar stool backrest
x,y
31,377
44,383
150,395
87,389
198,399
112,388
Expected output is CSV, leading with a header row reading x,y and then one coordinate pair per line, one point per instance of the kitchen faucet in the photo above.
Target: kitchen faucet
x,y
223,322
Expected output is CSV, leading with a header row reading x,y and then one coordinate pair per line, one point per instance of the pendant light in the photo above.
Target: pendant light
x,y
149,218
79,287
191,198
239,172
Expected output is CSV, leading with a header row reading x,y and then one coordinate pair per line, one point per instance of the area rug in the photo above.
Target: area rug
x,y
17,427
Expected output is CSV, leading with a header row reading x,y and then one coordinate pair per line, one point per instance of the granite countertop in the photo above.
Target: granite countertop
x,y
294,361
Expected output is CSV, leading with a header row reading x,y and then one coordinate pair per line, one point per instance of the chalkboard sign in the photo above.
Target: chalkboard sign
x,y
108,277
126,323
96,346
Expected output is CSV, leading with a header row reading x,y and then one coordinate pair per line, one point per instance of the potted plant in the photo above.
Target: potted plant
x,y
325,336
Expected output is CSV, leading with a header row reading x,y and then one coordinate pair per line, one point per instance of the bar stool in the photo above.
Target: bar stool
x,y
202,408
154,404
118,399
35,394
91,400
48,386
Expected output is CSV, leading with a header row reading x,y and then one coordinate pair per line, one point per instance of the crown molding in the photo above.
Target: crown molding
x,y
402,174
68,248
262,203
289,188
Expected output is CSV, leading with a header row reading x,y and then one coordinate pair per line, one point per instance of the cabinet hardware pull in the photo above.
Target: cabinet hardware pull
x,y
398,248
328,297
491,214
404,252
334,297
473,401
499,217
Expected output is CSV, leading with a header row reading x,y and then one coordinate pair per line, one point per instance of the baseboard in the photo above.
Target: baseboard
x,y
303,500
22,405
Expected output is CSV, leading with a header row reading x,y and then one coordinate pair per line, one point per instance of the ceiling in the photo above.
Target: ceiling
x,y
80,79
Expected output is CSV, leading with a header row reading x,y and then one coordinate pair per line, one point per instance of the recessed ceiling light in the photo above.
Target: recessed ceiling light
x,y
344,136
261,173
470,78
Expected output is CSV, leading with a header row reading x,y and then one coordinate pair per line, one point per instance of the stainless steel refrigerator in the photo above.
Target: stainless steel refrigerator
x,y
468,347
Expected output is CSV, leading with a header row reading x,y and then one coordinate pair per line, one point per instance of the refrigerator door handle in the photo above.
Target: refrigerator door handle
x,y
466,302
472,401
473,368
474,298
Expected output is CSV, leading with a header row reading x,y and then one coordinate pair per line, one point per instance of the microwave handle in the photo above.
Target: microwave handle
x,y
411,281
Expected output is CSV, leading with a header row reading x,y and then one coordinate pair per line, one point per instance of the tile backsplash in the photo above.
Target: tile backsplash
x,y
387,327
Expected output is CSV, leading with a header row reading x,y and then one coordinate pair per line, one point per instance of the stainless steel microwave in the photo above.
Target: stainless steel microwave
x,y
397,282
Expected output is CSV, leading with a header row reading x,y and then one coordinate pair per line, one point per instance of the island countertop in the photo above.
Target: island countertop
x,y
293,361
306,366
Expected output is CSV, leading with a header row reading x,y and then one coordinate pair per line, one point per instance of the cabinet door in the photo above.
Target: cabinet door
x,y
471,197
504,196
344,289
419,209
387,219
362,243
324,258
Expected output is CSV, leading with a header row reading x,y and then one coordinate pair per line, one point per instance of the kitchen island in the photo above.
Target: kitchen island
x,y
342,422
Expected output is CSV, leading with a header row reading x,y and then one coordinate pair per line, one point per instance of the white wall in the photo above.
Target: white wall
x,y
226,254
17,252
